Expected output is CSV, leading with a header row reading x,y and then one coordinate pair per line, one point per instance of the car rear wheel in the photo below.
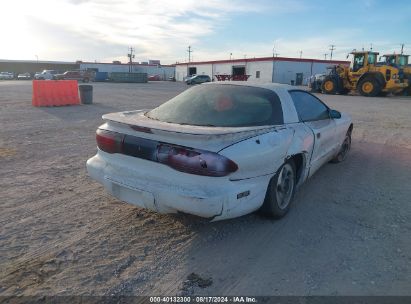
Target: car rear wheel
x,y
344,149
280,191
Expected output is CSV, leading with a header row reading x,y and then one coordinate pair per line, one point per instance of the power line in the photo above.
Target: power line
x,y
332,48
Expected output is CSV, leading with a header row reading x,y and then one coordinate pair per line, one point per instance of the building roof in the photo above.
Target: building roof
x,y
127,64
37,61
396,55
265,59
80,62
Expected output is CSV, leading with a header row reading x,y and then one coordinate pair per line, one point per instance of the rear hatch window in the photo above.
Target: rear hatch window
x,y
222,106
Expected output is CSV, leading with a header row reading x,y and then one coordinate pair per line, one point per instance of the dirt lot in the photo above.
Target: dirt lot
x,y
348,233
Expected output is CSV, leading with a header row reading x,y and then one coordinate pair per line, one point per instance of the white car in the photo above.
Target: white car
x,y
219,150
45,75
24,76
6,75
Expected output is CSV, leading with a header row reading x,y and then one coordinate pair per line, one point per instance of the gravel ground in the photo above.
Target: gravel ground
x,y
348,233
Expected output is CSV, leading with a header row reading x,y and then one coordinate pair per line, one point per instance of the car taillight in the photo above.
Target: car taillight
x,y
196,162
110,142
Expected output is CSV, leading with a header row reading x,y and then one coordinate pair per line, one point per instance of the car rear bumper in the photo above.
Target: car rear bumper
x,y
162,189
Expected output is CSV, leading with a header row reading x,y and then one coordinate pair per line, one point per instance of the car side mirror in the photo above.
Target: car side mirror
x,y
334,114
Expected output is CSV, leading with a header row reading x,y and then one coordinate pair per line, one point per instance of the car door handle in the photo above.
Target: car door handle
x,y
318,135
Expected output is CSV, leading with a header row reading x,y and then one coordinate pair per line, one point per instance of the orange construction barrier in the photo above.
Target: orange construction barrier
x,y
48,93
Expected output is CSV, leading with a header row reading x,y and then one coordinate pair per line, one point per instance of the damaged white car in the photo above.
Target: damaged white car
x,y
219,150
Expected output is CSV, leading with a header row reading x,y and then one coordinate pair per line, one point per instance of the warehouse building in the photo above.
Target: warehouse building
x,y
152,69
33,66
266,69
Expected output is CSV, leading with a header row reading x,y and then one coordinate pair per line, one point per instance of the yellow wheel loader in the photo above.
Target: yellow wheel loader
x,y
400,61
364,76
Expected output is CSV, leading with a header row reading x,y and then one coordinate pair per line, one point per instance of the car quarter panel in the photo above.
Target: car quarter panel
x,y
259,155
342,126
302,143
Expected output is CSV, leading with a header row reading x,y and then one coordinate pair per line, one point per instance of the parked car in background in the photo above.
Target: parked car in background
x,y
46,75
154,78
6,75
197,79
219,150
24,76
188,77
83,76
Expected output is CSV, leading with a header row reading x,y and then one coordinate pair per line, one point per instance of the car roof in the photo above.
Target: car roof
x,y
265,85
289,112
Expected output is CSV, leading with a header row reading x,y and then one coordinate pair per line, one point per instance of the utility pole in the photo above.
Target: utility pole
x,y
130,56
325,56
231,54
189,50
189,53
332,48
402,49
301,54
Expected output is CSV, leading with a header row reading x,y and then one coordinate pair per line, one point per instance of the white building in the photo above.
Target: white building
x,y
266,69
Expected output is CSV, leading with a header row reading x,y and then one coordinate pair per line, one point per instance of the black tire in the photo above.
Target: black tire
x,y
329,85
369,87
277,203
344,149
344,91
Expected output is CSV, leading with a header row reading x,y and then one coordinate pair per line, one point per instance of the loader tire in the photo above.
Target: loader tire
x,y
369,87
344,91
329,85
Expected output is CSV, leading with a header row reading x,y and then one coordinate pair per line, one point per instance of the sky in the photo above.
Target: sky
x,y
103,30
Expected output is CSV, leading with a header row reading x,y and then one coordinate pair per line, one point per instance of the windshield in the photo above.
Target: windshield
x,y
372,58
390,60
221,106
403,60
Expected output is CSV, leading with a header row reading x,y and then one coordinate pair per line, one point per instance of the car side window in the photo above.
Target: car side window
x,y
308,107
